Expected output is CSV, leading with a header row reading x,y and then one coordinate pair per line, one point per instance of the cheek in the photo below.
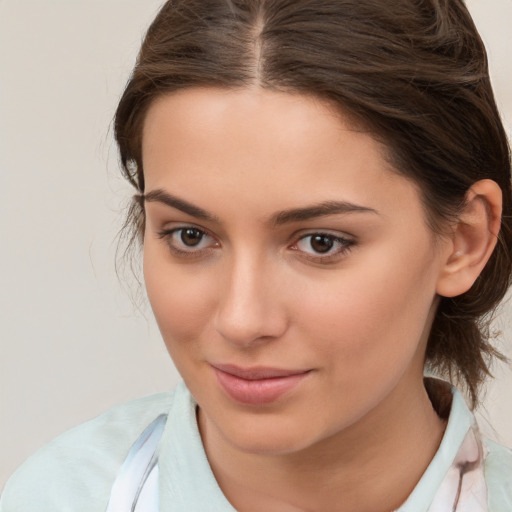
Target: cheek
x,y
179,297
371,314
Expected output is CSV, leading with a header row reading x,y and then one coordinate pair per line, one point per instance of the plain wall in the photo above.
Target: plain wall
x,y
72,342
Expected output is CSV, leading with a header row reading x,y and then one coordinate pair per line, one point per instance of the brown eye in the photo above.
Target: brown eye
x,y
322,243
323,247
191,237
188,241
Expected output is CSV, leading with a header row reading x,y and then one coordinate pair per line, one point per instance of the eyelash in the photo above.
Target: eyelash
x,y
345,244
168,234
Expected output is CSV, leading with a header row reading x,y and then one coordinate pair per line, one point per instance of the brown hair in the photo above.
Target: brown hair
x,y
413,71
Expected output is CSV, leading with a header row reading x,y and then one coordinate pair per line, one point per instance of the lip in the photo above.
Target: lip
x,y
257,386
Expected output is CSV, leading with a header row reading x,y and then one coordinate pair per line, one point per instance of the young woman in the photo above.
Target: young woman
x,y
324,202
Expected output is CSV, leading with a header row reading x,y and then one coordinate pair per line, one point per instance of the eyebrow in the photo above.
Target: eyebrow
x,y
160,196
318,210
278,219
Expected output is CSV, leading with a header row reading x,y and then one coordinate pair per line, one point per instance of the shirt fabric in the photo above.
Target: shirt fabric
x,y
76,471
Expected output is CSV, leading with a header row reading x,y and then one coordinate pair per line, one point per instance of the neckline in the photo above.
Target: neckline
x,y
187,480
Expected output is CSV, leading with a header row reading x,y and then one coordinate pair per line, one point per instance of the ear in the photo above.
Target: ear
x,y
472,240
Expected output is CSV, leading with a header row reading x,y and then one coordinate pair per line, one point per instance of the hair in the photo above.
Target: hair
x,y
413,72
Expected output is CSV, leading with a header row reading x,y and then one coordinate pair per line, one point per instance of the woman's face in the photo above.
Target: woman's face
x,y
291,272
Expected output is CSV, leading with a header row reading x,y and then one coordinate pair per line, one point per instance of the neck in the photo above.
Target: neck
x,y
351,471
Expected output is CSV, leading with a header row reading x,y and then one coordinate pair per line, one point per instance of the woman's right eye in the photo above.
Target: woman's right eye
x,y
188,240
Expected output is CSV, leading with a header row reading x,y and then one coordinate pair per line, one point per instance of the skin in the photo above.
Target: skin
x,y
255,292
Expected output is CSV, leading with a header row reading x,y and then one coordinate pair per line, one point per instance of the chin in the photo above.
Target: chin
x,y
268,436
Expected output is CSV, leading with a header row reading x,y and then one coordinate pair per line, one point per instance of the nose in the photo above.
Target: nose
x,y
250,310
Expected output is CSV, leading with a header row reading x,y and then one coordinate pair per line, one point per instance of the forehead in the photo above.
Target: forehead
x,y
265,147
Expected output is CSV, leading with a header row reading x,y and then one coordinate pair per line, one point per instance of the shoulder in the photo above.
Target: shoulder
x,y
498,476
76,470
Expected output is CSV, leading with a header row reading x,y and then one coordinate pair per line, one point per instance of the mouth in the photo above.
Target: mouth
x,y
257,386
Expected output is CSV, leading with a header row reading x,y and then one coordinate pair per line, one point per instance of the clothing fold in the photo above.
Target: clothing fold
x,y
78,470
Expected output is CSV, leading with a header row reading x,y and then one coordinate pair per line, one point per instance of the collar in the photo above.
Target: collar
x,y
453,482
186,479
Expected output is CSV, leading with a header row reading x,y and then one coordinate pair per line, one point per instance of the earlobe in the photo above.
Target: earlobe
x,y
472,240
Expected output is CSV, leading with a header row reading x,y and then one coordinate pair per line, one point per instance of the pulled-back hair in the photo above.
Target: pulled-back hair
x,y
413,72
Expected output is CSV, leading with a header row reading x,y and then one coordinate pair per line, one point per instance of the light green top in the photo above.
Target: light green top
x,y
75,472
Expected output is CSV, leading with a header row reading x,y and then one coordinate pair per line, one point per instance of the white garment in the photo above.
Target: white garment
x,y
76,472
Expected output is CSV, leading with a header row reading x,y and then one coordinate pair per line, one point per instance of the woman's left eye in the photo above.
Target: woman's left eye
x,y
323,246
188,240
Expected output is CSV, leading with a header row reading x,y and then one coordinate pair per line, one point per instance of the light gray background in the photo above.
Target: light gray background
x,y
72,342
